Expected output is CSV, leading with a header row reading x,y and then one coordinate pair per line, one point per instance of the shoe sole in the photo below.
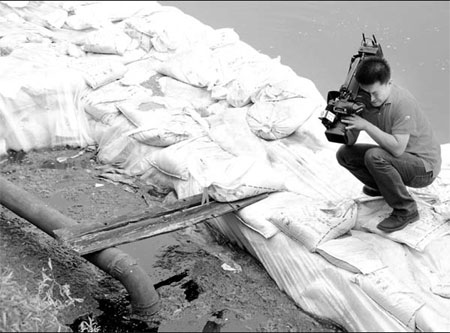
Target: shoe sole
x,y
398,228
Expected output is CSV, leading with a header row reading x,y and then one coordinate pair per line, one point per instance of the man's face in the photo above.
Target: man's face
x,y
378,92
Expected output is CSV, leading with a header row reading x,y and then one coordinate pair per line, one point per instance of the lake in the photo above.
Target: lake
x,y
317,39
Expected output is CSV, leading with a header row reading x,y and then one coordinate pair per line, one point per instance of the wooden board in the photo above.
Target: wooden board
x,y
86,239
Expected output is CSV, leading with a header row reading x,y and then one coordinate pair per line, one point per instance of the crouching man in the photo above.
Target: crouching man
x,y
407,151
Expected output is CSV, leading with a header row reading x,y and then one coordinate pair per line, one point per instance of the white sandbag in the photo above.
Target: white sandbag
x,y
240,167
114,147
256,216
351,254
99,71
441,284
86,21
214,109
14,40
117,149
139,110
394,296
117,10
139,72
198,98
194,66
201,163
167,127
104,113
43,13
101,14
151,175
222,37
107,41
170,29
101,103
133,28
231,59
283,84
417,235
253,76
229,129
259,178
276,120
313,223
173,160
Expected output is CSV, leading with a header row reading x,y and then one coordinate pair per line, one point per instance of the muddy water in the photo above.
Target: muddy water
x,y
317,39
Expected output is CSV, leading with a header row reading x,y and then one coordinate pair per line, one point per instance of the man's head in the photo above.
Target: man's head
x,y
374,77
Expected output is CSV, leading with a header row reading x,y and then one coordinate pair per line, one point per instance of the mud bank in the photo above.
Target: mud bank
x,y
187,267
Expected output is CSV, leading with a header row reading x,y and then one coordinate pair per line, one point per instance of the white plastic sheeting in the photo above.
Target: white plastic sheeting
x,y
180,105
365,281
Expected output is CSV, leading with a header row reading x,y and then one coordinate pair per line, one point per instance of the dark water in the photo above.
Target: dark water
x,y
317,39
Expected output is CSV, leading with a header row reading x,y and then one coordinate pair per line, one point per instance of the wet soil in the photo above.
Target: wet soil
x,y
198,292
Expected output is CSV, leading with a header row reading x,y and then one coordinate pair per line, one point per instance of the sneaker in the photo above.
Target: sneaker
x,y
371,192
397,222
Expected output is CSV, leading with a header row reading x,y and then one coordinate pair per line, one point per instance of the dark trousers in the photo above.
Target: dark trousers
x,y
377,168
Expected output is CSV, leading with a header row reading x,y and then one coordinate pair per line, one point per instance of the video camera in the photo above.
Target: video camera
x,y
350,99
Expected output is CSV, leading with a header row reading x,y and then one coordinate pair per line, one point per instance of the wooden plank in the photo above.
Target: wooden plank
x,y
84,229
94,241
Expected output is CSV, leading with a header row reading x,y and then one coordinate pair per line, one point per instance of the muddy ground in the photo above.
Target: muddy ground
x,y
197,293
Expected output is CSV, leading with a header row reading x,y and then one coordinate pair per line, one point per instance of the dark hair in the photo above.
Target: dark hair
x,y
373,69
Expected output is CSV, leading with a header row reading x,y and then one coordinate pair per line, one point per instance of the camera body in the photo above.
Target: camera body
x,y
350,99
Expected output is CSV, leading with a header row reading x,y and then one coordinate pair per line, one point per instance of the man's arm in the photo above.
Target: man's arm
x,y
352,136
393,143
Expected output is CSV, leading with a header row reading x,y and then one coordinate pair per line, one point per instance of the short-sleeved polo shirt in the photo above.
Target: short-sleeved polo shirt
x,y
401,114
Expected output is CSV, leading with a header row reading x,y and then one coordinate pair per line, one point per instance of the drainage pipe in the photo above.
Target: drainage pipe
x,y
143,296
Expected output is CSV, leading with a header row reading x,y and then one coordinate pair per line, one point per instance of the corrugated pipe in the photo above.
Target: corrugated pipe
x,y
143,296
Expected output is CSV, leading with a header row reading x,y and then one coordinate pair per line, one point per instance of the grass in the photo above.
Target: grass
x,y
23,311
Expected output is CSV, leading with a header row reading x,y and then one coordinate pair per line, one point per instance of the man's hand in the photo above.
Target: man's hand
x,y
395,144
355,122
